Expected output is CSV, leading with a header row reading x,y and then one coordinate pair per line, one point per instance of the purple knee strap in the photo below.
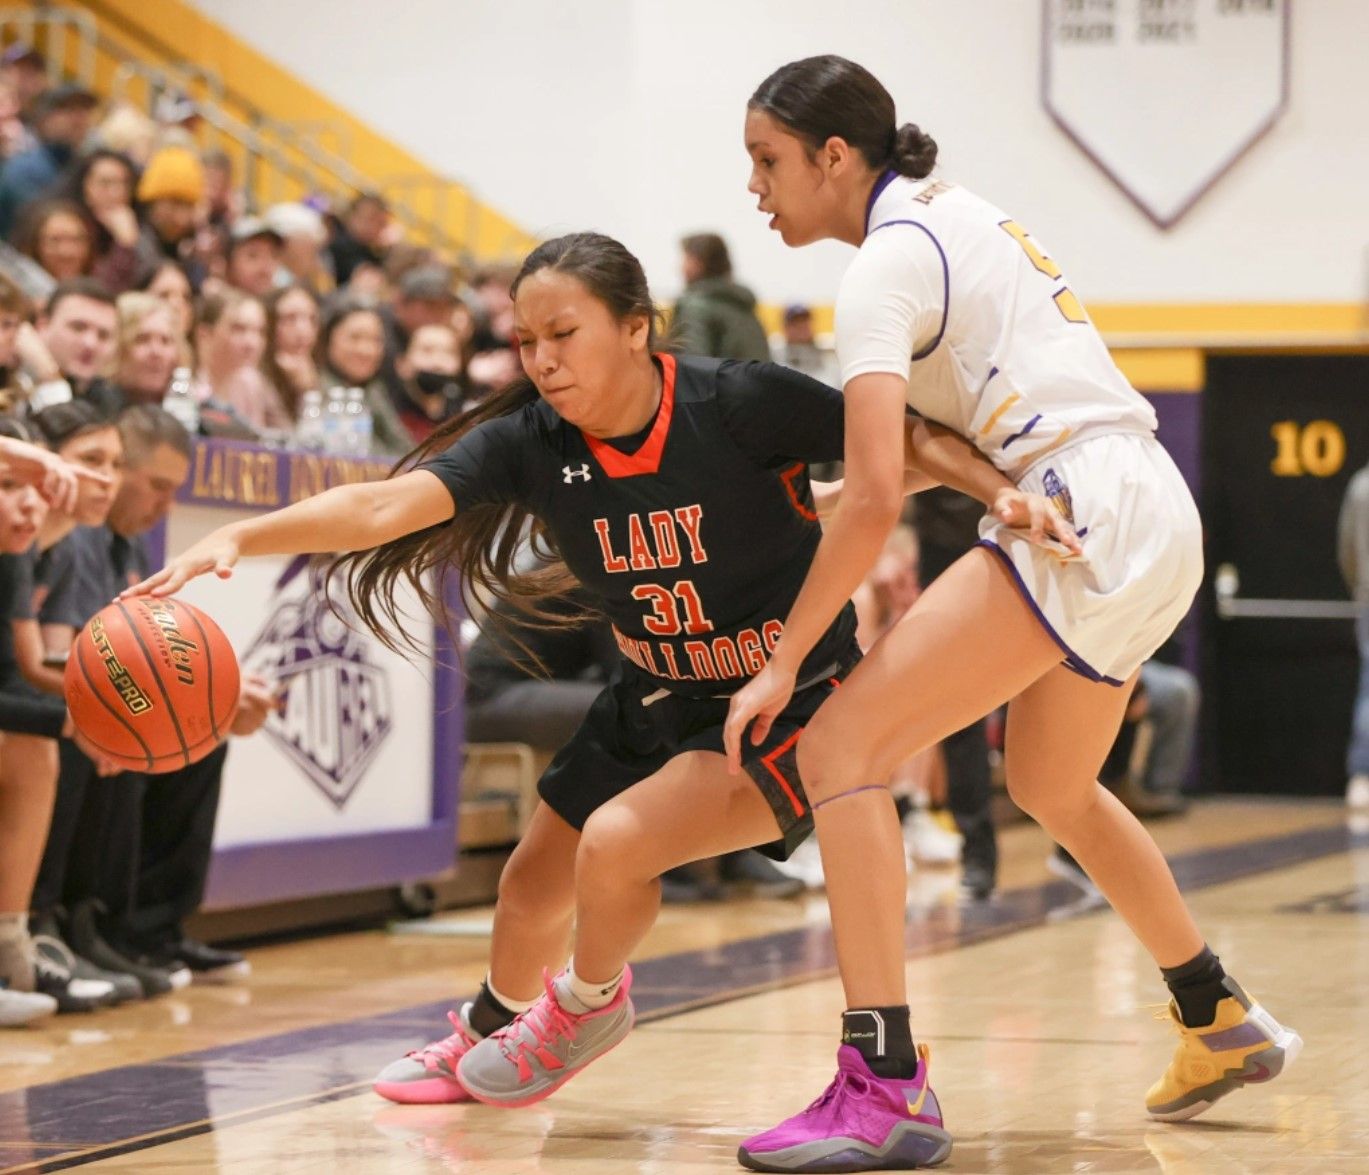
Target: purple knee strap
x,y
855,791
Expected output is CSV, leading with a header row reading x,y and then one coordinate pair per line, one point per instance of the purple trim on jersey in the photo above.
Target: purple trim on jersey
x,y
993,371
945,277
1017,436
876,192
1072,659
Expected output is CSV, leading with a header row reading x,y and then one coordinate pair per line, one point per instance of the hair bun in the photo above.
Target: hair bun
x,y
914,152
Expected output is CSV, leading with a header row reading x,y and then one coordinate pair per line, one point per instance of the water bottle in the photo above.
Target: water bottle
x,y
309,431
180,401
359,423
335,422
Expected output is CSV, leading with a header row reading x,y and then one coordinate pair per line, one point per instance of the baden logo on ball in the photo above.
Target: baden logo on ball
x,y
152,684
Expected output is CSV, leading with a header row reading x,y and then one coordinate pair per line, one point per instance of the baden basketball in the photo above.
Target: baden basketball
x,y
152,683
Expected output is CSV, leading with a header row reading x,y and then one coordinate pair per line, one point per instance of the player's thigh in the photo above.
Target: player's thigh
x,y
690,809
1058,734
969,644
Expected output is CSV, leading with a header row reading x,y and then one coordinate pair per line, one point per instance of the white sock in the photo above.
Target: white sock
x,y
14,927
591,994
513,1005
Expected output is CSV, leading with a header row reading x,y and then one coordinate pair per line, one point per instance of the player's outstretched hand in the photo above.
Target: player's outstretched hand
x,y
57,480
1038,516
762,698
215,552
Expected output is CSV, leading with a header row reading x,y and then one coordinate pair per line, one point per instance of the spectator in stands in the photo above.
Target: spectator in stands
x,y
224,203
32,722
91,850
14,312
62,119
292,330
149,350
153,890
25,71
360,238
74,344
493,361
129,131
423,295
303,255
1352,550
716,316
231,343
168,280
102,183
14,135
431,386
1167,699
208,263
254,256
352,353
169,193
57,234
79,433
798,347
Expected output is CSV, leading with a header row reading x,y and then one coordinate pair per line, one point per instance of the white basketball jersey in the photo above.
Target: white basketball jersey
x,y
954,294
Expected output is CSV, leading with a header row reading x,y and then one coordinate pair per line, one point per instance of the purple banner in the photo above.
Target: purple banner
x,y
247,476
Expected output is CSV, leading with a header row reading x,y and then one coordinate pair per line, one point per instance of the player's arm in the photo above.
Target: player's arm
x,y
938,456
346,518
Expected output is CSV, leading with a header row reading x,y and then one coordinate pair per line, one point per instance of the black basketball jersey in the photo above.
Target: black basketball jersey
x,y
695,535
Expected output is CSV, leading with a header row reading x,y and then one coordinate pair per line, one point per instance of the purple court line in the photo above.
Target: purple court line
x,y
135,1107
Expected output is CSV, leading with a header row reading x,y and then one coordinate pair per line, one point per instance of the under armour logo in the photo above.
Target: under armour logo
x,y
571,474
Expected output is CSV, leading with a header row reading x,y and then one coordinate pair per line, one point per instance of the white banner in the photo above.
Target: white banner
x,y
352,749
1165,95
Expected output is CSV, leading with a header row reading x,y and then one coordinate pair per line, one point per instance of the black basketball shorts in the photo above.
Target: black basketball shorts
x,y
635,727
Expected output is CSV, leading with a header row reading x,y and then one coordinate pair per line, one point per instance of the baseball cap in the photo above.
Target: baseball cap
x,y
249,228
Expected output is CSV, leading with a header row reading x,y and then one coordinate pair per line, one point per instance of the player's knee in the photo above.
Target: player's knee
x,y
1031,790
610,848
825,767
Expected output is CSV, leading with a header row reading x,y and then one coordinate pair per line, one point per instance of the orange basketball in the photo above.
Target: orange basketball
x,y
152,683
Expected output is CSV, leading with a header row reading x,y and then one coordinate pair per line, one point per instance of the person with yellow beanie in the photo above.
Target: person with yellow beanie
x,y
169,196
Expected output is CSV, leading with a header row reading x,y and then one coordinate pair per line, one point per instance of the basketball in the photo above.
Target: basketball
x,y
152,683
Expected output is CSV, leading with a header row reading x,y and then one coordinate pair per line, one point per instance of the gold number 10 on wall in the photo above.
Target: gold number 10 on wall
x,y
1316,448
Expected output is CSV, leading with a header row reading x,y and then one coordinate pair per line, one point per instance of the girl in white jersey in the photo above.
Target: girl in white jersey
x,y
952,307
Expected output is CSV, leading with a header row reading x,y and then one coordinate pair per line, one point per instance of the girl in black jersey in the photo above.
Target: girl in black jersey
x,y
675,490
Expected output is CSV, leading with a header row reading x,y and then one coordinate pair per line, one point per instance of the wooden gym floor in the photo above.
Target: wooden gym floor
x,y
1038,1015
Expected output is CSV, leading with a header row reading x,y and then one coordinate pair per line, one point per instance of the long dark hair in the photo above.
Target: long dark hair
x,y
289,394
73,187
478,546
821,97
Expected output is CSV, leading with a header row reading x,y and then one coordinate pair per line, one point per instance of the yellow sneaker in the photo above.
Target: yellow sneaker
x,y
1243,1045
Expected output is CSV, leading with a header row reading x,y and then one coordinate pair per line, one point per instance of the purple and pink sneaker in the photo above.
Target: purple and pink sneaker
x,y
860,1123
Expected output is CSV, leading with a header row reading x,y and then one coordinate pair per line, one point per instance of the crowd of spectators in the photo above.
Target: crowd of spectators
x,y
130,260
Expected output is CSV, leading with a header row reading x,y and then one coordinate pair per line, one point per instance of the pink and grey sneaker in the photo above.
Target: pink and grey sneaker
x,y
427,1076
860,1123
545,1046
